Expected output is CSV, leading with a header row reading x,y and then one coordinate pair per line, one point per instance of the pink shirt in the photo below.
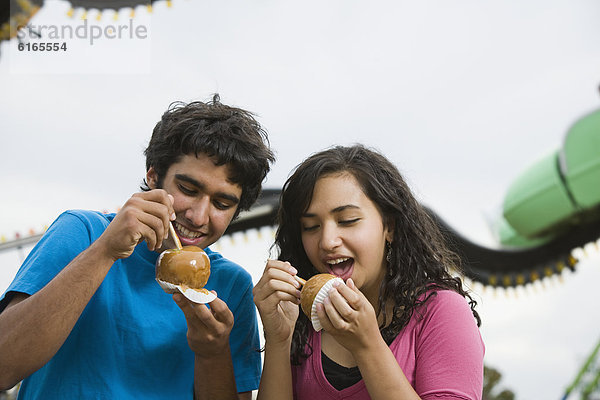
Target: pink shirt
x,y
440,353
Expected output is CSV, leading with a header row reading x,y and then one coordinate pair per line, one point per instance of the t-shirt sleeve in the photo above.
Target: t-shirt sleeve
x,y
63,241
449,350
244,338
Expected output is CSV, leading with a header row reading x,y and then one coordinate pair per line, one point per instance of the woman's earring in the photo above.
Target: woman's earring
x,y
388,255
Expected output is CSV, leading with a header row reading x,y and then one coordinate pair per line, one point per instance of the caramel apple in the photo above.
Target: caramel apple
x,y
185,270
316,288
189,266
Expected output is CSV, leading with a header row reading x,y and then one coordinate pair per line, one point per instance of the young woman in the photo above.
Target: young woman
x,y
401,327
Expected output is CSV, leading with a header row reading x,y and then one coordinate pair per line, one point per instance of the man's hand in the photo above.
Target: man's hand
x,y
208,328
145,216
208,337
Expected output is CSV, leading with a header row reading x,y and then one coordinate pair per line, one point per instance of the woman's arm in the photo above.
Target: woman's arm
x,y
449,350
348,316
276,380
276,296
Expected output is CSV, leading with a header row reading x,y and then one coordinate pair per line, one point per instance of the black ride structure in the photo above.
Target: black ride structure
x,y
550,210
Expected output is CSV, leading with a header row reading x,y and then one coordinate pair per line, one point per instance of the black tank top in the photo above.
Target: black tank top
x,y
337,375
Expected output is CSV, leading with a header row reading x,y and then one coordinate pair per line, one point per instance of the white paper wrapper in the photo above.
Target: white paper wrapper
x,y
189,293
322,295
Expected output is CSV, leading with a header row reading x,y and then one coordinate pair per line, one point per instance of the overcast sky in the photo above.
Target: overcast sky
x,y
461,95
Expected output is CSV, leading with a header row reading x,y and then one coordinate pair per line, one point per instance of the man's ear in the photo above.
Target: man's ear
x,y
152,178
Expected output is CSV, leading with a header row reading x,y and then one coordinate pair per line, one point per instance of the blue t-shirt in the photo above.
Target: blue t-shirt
x,y
130,341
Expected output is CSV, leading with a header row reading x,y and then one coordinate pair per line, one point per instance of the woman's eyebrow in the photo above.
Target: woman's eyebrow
x,y
344,207
333,211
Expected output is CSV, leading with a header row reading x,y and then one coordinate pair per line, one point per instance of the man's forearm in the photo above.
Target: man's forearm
x,y
213,377
34,328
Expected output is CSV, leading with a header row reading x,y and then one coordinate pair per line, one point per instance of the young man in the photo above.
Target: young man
x,y
85,318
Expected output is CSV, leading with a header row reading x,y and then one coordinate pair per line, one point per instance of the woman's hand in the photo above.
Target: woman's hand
x,y
349,317
277,295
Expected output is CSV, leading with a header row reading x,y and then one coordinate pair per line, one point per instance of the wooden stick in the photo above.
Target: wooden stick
x,y
175,237
302,281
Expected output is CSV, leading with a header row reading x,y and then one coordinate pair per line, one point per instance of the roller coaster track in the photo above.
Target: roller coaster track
x,y
496,267
490,266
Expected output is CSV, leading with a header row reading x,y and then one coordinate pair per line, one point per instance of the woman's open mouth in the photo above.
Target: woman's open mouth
x,y
341,267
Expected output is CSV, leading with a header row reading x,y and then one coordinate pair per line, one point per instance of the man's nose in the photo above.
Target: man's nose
x,y
198,212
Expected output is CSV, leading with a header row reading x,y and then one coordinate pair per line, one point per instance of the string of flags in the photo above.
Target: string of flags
x,y
80,11
24,10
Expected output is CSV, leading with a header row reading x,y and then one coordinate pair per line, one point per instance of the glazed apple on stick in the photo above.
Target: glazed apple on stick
x,y
184,269
313,292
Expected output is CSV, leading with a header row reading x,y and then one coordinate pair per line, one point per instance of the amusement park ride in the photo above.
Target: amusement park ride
x,y
552,208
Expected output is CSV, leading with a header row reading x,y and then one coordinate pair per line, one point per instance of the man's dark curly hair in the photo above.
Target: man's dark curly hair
x,y
420,260
230,135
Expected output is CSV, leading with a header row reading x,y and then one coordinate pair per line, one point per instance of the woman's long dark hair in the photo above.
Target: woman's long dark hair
x,y
420,260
